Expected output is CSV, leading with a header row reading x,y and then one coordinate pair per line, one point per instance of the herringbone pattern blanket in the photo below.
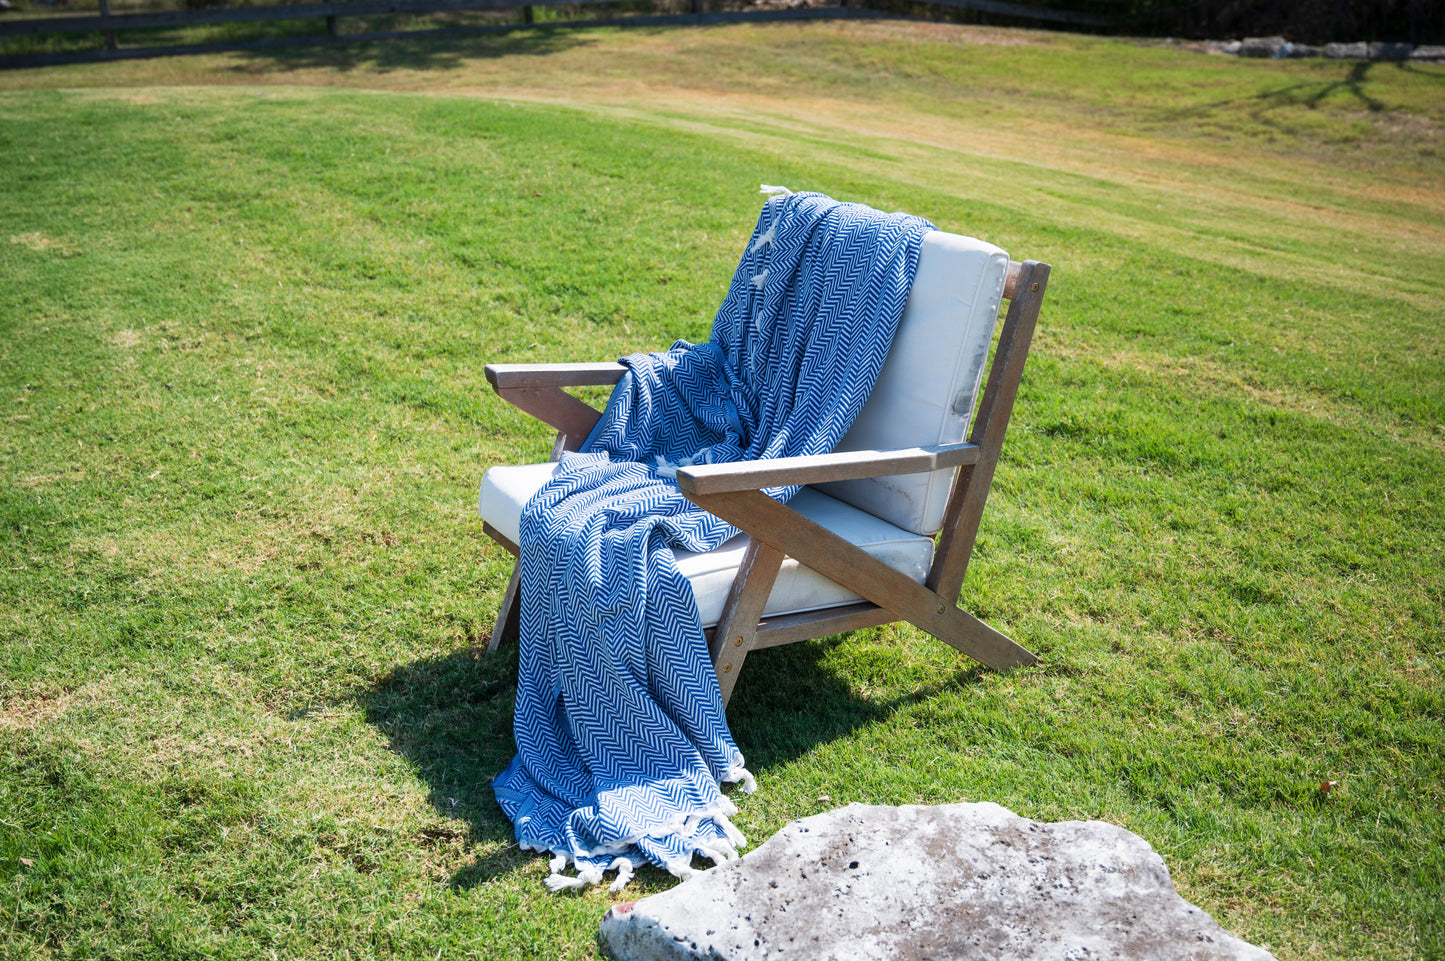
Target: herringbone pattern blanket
x,y
622,742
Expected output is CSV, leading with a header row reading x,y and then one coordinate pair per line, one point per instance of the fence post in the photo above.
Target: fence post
x,y
109,34
331,20
527,15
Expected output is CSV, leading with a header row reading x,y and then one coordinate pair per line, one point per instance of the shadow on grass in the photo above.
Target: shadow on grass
x,y
1305,93
787,702
451,718
1353,84
422,53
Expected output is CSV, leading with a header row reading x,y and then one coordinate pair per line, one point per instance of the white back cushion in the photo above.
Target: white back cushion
x,y
926,392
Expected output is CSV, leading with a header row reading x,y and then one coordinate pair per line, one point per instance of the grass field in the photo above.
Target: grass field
x,y
245,304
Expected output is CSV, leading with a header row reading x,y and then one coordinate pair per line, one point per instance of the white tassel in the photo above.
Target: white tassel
x,y
760,279
717,851
586,874
556,880
768,237
559,882
740,773
734,835
775,191
624,874
666,468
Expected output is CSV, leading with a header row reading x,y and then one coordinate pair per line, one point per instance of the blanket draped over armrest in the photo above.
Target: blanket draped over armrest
x,y
622,742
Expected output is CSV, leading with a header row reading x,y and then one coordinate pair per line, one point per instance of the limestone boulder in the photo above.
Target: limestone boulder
x,y
958,881
1271,47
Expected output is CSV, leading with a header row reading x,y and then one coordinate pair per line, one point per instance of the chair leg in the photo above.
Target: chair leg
x,y
508,626
738,627
509,613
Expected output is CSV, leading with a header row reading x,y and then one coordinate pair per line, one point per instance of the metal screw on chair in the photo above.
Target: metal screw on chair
x,y
738,642
940,608
727,667
1034,287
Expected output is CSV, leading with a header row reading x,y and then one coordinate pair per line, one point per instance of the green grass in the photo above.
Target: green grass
x,y
246,301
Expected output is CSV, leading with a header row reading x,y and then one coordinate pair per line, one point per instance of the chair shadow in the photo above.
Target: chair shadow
x,y
787,702
451,717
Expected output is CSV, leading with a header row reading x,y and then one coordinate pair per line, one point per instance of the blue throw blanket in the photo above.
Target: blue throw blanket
x,y
622,743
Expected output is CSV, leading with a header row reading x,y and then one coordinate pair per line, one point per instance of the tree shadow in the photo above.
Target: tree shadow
x,y
384,55
1305,93
1405,66
1353,83
451,717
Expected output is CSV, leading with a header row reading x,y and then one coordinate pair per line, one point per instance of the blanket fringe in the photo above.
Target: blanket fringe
x,y
718,851
586,874
768,237
666,468
624,874
742,777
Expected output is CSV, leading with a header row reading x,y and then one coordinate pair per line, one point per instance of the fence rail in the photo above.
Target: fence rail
x,y
331,10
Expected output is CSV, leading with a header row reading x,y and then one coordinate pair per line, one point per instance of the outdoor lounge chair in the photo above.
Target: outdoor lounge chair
x,y
884,529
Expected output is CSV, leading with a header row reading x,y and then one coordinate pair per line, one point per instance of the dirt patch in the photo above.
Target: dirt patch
x,y
26,714
42,244
125,339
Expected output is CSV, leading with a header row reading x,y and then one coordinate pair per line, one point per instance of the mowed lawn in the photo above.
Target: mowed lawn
x,y
245,302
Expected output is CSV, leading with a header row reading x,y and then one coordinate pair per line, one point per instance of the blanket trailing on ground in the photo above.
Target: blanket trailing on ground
x,y
622,743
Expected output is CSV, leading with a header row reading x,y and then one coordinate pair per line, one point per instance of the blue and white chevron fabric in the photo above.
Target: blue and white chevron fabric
x,y
622,743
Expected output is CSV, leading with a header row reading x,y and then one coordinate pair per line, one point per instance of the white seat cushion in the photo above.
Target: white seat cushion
x,y
925,393
506,490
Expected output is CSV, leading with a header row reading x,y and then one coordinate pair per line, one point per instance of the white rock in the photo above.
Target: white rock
x,y
1348,51
955,881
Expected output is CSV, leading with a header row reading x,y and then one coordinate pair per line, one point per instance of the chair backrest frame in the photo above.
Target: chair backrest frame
x,y
1024,290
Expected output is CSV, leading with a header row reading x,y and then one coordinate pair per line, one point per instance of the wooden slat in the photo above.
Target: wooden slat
x,y
705,479
791,628
738,626
514,376
836,559
501,538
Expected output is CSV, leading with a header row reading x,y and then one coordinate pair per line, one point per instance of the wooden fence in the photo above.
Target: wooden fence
x,y
108,25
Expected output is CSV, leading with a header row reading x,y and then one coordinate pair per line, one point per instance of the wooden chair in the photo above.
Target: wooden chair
x,y
885,528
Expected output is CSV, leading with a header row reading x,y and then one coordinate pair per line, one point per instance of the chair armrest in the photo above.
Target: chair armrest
x,y
704,479
532,376
537,389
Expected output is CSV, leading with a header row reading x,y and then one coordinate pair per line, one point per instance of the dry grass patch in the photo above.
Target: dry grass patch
x,y
41,244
